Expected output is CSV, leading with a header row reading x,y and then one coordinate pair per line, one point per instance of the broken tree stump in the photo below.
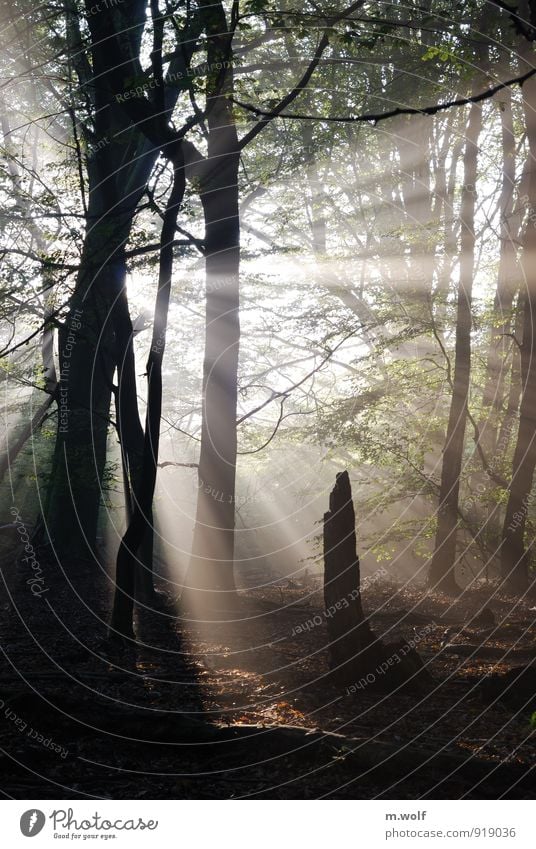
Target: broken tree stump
x,y
350,637
357,658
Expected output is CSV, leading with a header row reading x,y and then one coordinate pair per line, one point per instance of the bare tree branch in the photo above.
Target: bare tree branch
x,y
374,118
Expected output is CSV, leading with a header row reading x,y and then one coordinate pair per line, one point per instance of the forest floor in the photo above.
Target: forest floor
x,y
246,708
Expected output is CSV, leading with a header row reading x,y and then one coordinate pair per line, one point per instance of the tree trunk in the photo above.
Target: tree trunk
x,y
442,568
507,283
515,558
119,163
86,363
446,185
131,438
210,580
514,391
213,543
127,557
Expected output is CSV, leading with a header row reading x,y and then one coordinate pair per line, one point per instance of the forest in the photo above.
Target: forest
x,y
268,361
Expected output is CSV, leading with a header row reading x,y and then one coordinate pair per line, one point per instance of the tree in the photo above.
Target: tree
x,y
442,566
515,557
119,162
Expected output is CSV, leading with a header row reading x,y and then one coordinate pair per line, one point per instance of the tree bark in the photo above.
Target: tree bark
x,y
350,637
507,283
210,578
119,163
131,438
514,391
85,383
443,564
118,168
515,557
126,567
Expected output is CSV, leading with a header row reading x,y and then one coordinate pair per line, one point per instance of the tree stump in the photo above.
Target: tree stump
x,y
350,637
357,658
